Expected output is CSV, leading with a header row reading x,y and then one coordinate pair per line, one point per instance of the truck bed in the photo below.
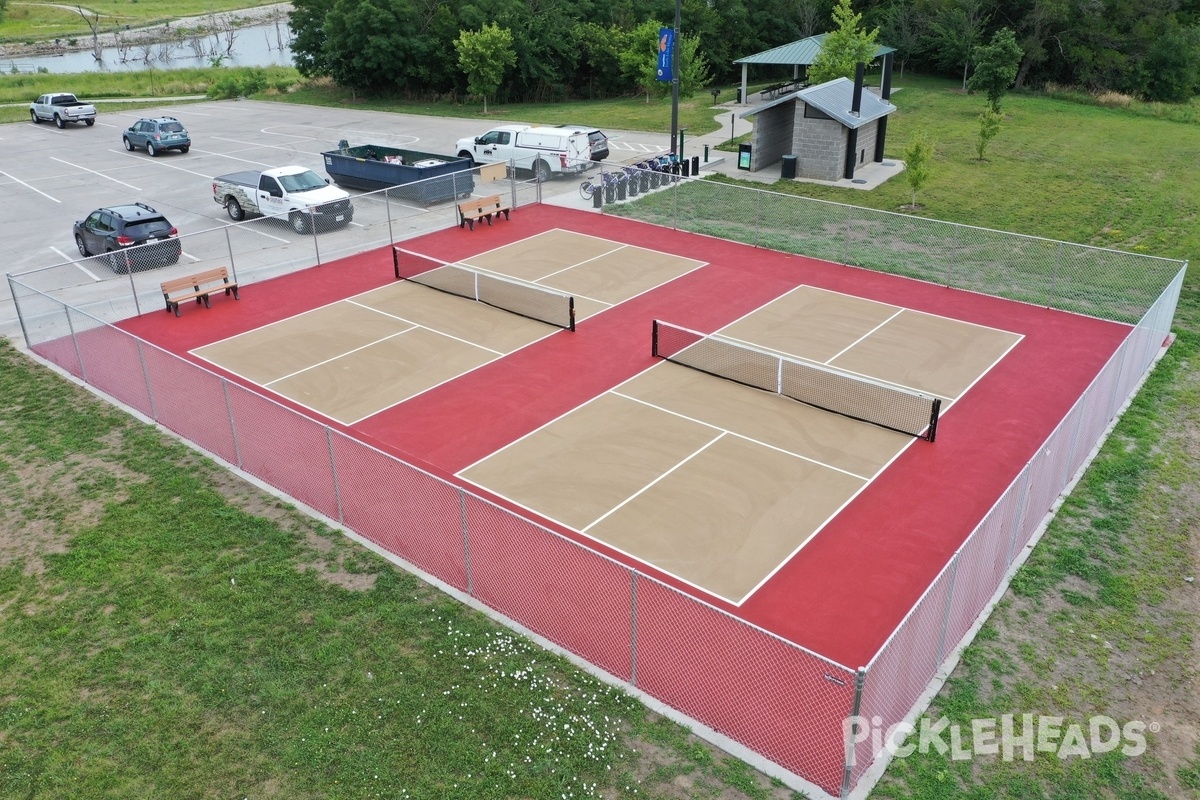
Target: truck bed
x,y
247,178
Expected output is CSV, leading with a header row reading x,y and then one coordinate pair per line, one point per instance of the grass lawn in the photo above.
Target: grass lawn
x,y
29,22
170,631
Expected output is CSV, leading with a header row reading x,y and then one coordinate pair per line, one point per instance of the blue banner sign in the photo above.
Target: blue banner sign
x,y
666,54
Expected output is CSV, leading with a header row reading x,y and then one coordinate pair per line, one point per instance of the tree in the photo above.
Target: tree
x,y
989,126
639,62
902,26
996,67
484,56
918,164
953,33
3,9
846,46
1172,66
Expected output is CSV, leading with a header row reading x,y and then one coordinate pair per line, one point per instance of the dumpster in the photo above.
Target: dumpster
x,y
743,156
426,178
787,167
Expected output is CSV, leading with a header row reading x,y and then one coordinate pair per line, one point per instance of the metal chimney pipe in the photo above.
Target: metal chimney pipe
x,y
885,89
856,103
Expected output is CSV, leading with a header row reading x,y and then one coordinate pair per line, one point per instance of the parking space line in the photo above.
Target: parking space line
x,y
159,163
234,158
27,186
75,262
94,172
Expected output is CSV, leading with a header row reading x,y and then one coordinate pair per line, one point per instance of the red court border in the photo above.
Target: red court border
x,y
848,588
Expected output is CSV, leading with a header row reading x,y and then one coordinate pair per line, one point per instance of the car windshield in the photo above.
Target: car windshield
x,y
147,228
302,181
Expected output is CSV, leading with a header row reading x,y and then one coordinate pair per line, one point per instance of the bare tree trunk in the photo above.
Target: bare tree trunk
x,y
94,24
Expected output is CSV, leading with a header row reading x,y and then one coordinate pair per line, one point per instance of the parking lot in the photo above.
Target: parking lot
x,y
49,178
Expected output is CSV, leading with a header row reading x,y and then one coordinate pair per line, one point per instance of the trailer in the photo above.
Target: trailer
x,y
426,178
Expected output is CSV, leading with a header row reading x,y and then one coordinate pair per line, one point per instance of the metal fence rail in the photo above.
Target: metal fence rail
x,y
774,696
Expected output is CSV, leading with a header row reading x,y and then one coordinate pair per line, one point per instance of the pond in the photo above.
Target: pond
x,y
252,46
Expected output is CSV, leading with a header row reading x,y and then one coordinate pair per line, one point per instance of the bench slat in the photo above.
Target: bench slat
x,y
194,287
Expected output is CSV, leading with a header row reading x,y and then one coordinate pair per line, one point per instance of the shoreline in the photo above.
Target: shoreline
x,y
174,30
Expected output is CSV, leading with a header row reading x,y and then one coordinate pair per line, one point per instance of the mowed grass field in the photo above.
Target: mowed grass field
x,y
170,631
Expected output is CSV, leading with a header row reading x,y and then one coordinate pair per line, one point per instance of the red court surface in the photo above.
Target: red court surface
x,y
848,588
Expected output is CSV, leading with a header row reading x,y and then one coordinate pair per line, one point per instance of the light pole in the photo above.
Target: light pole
x,y
675,80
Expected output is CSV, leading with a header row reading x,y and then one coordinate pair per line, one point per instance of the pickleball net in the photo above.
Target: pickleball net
x,y
854,396
509,294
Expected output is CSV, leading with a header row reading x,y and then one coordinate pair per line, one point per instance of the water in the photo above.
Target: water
x,y
253,46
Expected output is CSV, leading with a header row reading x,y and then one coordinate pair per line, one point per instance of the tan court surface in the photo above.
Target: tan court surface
x,y
359,356
719,484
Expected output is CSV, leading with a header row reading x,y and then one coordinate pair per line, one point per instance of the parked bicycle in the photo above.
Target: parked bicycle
x,y
593,185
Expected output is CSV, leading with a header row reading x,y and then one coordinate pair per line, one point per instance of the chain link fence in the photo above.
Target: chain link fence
x,y
773,696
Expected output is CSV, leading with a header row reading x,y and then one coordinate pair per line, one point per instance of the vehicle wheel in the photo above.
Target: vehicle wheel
x,y
128,144
463,154
585,190
234,209
59,122
150,149
299,222
116,262
89,122
33,116
542,170
184,149
83,251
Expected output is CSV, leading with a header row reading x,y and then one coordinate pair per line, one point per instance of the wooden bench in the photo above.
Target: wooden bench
x,y
197,287
474,208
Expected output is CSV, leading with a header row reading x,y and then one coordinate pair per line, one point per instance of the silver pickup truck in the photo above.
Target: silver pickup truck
x,y
61,108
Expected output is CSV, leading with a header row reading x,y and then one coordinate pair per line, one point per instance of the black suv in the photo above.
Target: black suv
x,y
134,237
157,135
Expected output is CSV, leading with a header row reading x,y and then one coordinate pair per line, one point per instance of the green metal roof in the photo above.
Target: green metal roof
x,y
801,52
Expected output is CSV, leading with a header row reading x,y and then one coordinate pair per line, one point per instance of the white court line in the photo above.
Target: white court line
x,y
917,311
899,311
648,486
27,186
741,436
634,246
349,352
581,263
425,327
100,174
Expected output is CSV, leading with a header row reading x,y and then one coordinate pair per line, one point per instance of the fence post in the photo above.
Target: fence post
x,y
941,651
1054,275
1019,515
137,307
462,513
146,378
387,206
337,489
633,627
229,247
237,450
953,253
860,679
75,343
316,244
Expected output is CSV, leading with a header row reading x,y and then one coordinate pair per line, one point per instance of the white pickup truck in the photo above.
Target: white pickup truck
x,y
61,108
302,195
545,151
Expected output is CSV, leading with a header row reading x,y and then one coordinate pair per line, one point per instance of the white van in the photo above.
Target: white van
x,y
544,151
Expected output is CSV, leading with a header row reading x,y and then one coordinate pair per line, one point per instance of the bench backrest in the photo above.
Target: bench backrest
x,y
480,202
198,279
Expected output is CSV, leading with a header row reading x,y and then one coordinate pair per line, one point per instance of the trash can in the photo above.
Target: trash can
x,y
788,168
687,168
743,156
739,94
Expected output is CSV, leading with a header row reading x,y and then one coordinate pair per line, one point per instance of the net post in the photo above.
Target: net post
x,y
934,412
396,261
654,340
571,313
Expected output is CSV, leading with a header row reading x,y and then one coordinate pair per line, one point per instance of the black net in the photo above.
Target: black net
x,y
510,294
823,387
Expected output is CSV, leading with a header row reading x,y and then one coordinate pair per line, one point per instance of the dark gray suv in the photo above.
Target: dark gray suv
x,y
157,135
130,238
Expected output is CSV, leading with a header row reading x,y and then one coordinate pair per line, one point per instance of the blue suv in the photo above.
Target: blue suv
x,y
157,135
